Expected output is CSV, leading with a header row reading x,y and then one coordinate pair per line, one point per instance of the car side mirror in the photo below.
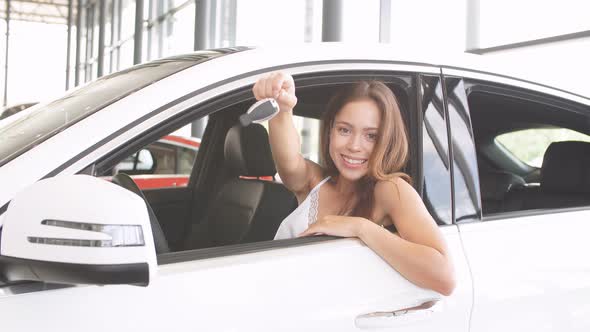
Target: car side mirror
x,y
77,229
141,162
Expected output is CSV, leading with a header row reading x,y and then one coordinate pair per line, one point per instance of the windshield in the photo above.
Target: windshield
x,y
33,128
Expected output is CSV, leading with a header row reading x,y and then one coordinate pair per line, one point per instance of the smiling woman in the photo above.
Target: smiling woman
x,y
360,184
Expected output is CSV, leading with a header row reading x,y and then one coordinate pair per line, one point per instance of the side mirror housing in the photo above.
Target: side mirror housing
x,y
77,229
141,162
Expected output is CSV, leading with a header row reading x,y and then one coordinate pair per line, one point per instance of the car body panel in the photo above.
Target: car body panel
x,y
317,287
530,272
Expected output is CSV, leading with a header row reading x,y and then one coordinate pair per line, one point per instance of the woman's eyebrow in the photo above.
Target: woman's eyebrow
x,y
350,125
343,122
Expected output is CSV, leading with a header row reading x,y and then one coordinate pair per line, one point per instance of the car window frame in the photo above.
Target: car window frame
x,y
475,81
209,105
308,80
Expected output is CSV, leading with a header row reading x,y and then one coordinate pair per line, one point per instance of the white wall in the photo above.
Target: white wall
x,y
561,64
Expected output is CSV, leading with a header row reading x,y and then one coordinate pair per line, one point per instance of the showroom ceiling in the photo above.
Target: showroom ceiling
x,y
45,11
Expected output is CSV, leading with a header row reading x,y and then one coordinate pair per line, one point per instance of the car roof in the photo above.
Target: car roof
x,y
334,51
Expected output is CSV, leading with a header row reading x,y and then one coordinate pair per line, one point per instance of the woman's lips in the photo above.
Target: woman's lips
x,y
351,162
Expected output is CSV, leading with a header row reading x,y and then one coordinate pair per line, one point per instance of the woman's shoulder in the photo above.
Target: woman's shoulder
x,y
394,196
392,189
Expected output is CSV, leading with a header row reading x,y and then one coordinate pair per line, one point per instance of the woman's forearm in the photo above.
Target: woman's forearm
x,y
422,265
285,143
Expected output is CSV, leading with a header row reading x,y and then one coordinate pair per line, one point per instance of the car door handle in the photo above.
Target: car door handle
x,y
380,319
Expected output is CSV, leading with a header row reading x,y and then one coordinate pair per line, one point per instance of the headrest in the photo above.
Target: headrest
x,y
566,167
497,183
247,151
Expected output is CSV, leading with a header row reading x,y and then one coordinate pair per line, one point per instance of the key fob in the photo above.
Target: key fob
x,y
260,111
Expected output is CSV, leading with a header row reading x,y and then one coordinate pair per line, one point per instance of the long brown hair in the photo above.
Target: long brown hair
x,y
390,152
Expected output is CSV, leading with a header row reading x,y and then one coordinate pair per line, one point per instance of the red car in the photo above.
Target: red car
x,y
164,163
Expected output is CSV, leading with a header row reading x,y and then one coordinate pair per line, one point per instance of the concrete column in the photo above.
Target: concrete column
x,y
472,24
203,40
69,43
332,21
6,57
138,36
102,10
202,24
385,21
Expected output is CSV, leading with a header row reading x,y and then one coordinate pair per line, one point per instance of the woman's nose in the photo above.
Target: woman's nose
x,y
354,143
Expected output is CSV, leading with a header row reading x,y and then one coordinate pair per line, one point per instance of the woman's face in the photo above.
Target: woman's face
x,y
353,137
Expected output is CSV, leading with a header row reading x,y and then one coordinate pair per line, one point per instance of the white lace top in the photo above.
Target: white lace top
x,y
303,216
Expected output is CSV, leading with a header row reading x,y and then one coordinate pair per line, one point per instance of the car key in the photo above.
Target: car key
x,y
262,110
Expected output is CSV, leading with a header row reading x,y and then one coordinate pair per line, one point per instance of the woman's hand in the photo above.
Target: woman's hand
x,y
342,226
277,85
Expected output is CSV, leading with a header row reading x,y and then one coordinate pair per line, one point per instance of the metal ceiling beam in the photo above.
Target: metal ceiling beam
x,y
51,3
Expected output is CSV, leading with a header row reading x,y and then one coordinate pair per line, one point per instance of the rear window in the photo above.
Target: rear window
x,y
32,129
530,145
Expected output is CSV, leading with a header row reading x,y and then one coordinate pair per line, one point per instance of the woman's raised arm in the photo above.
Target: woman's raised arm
x,y
284,140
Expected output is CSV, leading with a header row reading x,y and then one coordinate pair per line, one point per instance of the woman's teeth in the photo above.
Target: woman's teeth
x,y
354,161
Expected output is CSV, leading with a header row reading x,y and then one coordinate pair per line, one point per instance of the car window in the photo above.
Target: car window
x,y
531,149
167,162
212,199
530,145
309,131
186,158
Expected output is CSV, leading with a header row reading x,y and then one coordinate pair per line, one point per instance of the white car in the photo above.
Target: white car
x,y
76,249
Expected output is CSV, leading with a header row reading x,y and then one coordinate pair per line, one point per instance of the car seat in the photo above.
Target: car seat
x,y
245,208
565,180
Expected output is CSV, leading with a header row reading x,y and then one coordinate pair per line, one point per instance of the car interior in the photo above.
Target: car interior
x,y
508,184
229,199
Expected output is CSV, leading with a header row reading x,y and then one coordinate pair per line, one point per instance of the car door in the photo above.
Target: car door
x,y
530,268
302,284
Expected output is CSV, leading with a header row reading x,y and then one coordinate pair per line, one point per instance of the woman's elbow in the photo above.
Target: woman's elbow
x,y
446,285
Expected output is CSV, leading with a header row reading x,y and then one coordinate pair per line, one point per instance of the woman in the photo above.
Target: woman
x,y
361,189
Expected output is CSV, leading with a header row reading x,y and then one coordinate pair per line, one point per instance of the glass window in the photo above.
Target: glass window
x,y
530,145
165,156
186,159
168,162
435,152
309,131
